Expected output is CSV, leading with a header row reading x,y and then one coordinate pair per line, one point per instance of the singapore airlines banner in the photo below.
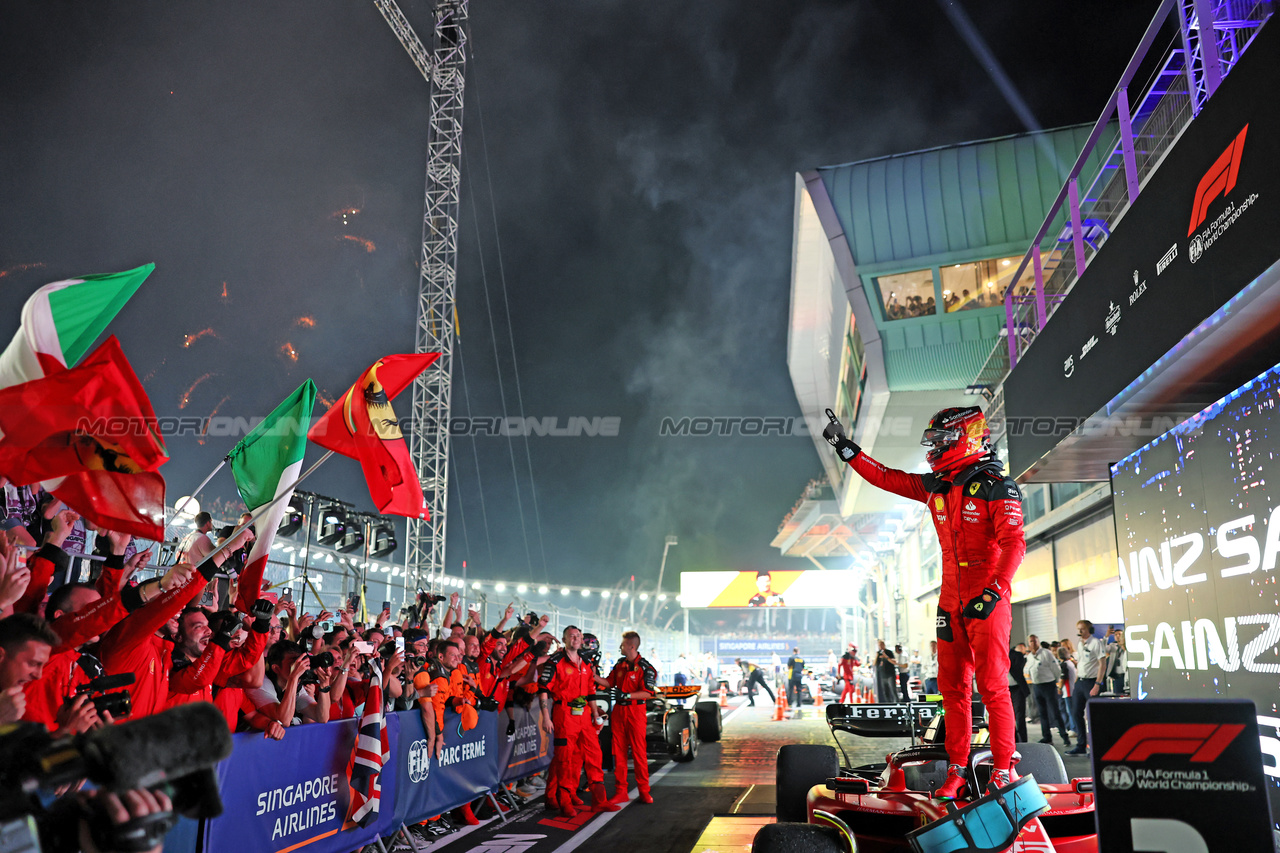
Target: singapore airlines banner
x,y
1197,516
806,588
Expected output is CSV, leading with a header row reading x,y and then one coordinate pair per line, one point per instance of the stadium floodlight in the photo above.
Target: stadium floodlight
x,y
499,587
476,585
291,523
623,595
333,523
662,597
644,596
604,593
565,591
586,593
522,589
382,539
542,590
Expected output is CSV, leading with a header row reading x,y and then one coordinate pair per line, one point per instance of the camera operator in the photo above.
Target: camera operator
x,y
281,697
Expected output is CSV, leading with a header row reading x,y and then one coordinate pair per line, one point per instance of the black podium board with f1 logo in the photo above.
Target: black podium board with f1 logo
x,y
1178,776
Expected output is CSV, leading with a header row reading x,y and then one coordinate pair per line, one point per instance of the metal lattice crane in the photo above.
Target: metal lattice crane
x,y
443,67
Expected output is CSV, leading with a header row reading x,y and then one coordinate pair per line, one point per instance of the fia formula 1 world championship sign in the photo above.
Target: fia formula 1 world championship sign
x,y
1178,776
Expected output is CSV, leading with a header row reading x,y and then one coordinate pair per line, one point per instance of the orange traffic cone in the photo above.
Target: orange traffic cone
x,y
724,696
817,698
780,709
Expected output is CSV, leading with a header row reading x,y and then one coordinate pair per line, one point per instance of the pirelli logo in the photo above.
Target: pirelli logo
x,y
1203,742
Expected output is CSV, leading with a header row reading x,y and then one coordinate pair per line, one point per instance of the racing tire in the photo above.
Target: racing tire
x,y
1042,761
679,722
797,838
709,721
800,767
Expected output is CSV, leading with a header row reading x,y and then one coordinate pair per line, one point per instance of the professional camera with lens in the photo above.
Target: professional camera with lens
x,y
323,660
106,697
175,751
429,599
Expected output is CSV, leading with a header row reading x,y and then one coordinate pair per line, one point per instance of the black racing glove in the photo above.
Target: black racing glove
x,y
980,606
615,694
834,434
227,624
262,611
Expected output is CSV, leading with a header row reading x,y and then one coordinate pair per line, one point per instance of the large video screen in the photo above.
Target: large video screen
x,y
1197,514
806,588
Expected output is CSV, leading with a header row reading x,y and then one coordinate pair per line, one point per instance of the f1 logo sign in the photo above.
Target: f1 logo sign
x,y
1219,180
1204,742
1164,835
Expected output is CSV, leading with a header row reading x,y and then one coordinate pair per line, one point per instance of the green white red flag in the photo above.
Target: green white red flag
x,y
265,464
92,419
60,321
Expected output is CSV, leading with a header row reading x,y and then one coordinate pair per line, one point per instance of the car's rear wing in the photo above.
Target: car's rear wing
x,y
680,692
881,720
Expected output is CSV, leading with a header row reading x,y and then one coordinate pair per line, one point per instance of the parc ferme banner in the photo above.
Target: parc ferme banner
x,y
292,794
1197,516
467,768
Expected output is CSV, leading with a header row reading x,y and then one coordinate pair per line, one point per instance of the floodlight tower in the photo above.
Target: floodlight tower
x,y
444,68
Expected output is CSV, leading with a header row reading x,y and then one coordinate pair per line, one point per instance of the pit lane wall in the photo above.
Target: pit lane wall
x,y
1197,514
293,794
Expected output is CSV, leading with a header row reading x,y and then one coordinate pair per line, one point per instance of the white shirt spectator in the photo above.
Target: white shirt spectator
x,y
267,695
1043,666
1089,657
929,667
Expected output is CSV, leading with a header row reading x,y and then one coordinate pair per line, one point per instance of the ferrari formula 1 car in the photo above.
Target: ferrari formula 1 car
x,y
674,728
824,805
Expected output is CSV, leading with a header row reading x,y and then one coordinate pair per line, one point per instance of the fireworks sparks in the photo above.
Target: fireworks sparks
x,y
36,266
226,298
325,398
344,213
153,370
305,322
191,339
186,397
289,352
368,244
204,432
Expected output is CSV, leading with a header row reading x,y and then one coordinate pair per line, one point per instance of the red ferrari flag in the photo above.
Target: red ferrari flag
x,y
92,424
363,425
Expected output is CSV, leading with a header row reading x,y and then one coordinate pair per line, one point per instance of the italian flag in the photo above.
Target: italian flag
x,y
265,464
61,321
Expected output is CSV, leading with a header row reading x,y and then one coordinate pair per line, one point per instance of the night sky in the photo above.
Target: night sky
x,y
634,162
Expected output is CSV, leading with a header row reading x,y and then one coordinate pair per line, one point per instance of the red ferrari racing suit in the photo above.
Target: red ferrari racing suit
x,y
978,518
575,738
627,720
847,676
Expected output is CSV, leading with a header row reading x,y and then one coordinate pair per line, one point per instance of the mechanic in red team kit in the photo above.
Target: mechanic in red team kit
x,y
977,512
634,682
848,666
567,681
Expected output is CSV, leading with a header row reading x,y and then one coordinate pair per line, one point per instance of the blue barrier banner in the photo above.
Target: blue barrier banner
x,y
530,751
467,769
290,794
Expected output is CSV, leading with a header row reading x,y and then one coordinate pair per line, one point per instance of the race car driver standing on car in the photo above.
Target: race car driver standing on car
x,y
634,682
977,513
567,680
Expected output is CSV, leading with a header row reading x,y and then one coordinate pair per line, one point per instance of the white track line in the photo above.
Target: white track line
x,y
596,825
